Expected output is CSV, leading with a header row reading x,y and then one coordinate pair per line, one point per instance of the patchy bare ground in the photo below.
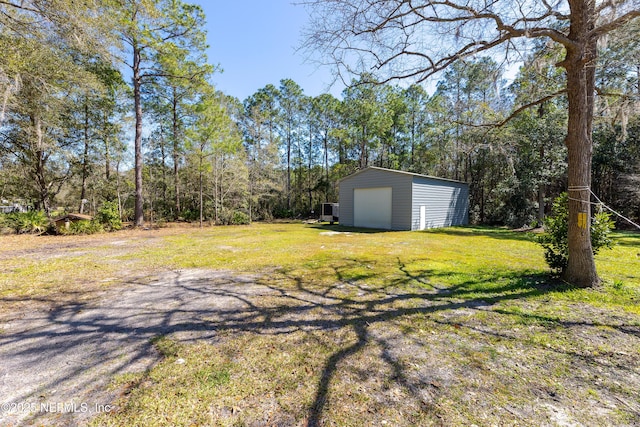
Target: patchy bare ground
x,y
68,252
56,362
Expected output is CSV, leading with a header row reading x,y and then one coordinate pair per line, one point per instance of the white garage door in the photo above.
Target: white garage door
x,y
372,207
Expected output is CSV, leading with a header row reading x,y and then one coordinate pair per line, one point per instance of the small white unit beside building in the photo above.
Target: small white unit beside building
x,y
330,212
395,200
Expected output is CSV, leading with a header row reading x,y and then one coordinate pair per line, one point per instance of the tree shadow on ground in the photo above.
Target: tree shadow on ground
x,y
492,232
395,300
72,350
627,238
346,229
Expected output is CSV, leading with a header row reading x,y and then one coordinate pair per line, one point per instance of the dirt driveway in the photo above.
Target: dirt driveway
x,y
55,364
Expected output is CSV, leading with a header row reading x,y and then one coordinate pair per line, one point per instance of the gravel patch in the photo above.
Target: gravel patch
x,y
56,363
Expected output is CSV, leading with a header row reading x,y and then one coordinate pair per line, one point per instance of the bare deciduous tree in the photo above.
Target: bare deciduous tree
x,y
407,39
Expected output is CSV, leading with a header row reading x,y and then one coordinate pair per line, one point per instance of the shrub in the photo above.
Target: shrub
x,y
84,227
27,222
282,213
601,227
239,218
4,220
190,215
108,216
554,240
232,217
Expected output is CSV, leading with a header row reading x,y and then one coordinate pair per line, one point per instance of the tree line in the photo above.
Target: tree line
x,y
113,101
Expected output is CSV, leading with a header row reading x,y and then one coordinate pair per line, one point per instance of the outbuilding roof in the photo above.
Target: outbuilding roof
x,y
401,172
73,217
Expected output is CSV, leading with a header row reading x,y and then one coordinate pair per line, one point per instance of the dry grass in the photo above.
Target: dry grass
x,y
36,270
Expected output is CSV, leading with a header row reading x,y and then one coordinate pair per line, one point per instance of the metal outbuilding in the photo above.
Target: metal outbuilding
x,y
396,200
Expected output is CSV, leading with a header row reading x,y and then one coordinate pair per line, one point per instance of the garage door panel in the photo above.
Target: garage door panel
x,y
372,207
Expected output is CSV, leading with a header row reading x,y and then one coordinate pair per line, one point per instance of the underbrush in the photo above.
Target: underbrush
x,y
32,222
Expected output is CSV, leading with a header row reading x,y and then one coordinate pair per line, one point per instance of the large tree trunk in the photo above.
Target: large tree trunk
x,y
363,160
163,157
138,209
541,183
85,159
39,166
176,154
118,189
289,168
326,156
580,66
310,166
107,154
41,181
200,186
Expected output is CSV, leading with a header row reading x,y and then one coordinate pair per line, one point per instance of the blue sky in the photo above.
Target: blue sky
x,y
254,42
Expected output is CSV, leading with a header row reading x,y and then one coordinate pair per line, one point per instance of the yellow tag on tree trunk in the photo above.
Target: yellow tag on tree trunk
x,y
582,220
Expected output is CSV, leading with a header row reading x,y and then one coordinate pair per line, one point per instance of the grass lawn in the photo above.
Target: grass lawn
x,y
456,326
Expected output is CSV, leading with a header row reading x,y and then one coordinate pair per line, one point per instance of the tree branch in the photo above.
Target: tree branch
x,y
609,4
424,73
517,111
622,95
553,13
20,6
553,34
616,23
531,104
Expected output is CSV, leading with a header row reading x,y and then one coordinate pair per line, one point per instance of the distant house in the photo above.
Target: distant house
x,y
396,200
16,207
64,222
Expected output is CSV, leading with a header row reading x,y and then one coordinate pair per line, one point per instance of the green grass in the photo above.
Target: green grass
x,y
451,326
444,327
27,277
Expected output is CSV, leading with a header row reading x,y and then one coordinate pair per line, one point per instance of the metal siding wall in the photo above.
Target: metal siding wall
x,y
447,203
373,178
345,200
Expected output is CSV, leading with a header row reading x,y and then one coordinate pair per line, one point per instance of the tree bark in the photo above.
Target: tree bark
x,y
362,161
85,159
310,166
580,67
541,183
176,154
163,158
118,189
107,154
43,186
137,83
541,204
289,167
326,155
37,149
